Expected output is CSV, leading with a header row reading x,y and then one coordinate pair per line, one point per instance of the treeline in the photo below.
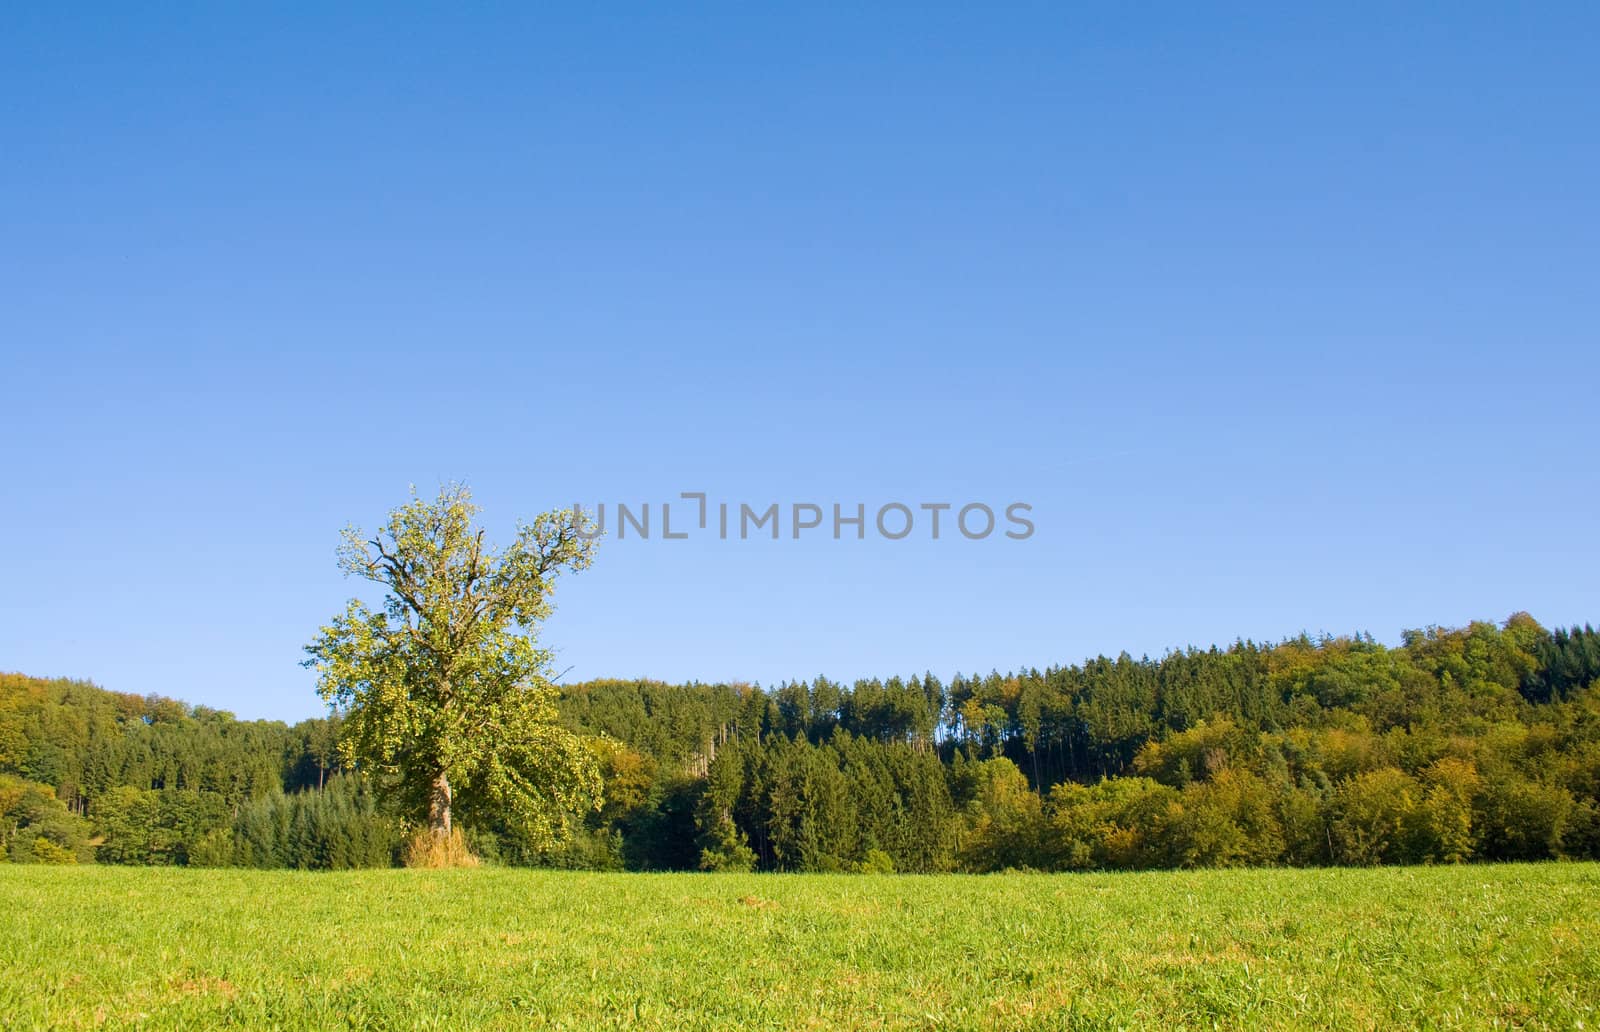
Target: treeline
x,y
88,774
1478,743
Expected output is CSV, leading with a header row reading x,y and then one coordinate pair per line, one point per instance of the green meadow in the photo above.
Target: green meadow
x,y
1508,946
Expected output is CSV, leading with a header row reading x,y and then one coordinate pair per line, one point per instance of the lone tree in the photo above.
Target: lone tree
x,y
445,691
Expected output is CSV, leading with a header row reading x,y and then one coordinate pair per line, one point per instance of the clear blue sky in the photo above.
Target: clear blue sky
x,y
1280,321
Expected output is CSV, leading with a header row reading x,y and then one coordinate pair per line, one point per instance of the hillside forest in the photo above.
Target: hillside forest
x,y
1478,743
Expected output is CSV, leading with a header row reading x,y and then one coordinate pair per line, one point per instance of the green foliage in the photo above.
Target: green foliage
x,y
1227,821
723,846
1378,818
876,861
1566,661
153,826
444,691
1310,752
37,827
1004,820
339,827
1118,823
1524,819
1452,791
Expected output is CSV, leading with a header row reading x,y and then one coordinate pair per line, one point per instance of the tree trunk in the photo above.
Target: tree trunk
x,y
439,807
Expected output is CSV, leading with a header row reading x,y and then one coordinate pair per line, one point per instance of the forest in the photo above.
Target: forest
x,y
1478,743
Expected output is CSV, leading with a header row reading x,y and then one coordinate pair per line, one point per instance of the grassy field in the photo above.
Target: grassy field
x,y
1472,947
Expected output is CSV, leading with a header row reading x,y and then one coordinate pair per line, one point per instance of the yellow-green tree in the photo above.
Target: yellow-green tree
x,y
444,689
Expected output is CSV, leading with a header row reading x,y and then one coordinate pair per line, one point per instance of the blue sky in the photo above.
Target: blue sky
x,y
1280,320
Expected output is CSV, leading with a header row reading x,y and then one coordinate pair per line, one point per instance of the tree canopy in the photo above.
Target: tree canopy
x,y
444,690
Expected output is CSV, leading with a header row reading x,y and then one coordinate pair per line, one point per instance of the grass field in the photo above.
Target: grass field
x,y
1467,947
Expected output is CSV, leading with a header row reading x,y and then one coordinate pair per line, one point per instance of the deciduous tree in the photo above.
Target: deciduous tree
x,y
444,690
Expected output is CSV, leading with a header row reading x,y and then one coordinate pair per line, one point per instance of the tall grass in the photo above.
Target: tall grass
x,y
428,850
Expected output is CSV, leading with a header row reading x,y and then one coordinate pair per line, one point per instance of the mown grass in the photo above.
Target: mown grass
x,y
1465,947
